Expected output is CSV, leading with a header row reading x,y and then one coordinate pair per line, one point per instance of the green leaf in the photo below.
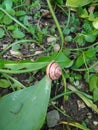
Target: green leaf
x,y
59,2
17,33
68,38
79,62
85,57
95,94
1,33
25,109
20,13
29,66
21,67
93,82
63,60
7,5
80,39
7,20
77,3
4,83
95,24
90,38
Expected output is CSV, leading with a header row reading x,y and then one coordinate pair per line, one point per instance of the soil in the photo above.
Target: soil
x,y
82,115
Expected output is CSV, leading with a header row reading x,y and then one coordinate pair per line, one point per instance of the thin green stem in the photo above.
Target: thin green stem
x,y
57,24
84,48
89,68
60,111
68,21
64,81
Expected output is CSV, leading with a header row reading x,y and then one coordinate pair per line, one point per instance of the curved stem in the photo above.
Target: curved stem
x,y
89,68
57,24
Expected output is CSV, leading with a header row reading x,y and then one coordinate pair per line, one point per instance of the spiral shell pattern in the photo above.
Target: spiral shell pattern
x,y
53,71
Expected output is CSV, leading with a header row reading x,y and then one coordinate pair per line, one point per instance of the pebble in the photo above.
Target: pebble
x,y
16,54
56,47
51,39
81,104
95,123
52,118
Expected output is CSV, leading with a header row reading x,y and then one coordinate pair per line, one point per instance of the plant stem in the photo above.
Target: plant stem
x,y
83,48
57,24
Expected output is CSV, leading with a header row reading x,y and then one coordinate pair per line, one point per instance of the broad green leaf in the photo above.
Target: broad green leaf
x,y
4,83
63,60
17,33
77,3
29,66
1,33
21,67
25,109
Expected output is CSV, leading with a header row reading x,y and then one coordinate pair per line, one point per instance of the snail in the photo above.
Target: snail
x,y
53,71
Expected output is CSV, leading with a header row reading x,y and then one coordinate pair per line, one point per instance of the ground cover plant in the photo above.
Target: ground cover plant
x,y
60,34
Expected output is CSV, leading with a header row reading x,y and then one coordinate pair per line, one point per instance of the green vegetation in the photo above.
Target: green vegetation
x,y
24,24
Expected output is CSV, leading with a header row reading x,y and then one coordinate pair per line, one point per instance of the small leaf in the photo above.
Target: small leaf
x,y
90,38
4,83
7,5
17,33
79,62
95,24
79,39
25,109
1,33
68,38
77,3
20,13
85,57
7,20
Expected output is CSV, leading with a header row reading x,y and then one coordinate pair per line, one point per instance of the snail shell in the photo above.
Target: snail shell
x,y
53,71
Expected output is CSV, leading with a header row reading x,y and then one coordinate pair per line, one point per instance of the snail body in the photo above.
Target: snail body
x,y
53,71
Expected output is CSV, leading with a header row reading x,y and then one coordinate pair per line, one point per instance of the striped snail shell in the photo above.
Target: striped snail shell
x,y
53,71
